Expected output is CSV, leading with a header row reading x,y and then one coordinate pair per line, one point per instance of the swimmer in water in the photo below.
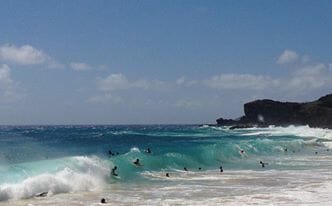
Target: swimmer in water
x,y
148,151
137,163
103,201
221,169
185,169
110,153
167,175
113,171
263,163
199,168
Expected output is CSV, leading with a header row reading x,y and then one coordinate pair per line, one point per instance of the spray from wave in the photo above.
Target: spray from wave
x,y
79,174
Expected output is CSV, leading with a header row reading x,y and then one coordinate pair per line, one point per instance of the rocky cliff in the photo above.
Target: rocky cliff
x,y
268,112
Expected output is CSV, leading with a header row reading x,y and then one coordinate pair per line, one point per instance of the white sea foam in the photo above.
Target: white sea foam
x,y
237,187
135,149
233,187
299,131
81,174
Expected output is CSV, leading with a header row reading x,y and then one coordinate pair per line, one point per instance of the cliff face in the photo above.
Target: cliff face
x,y
268,112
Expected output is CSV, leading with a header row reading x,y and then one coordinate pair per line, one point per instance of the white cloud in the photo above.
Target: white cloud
x,y
7,85
24,55
183,81
310,77
312,70
240,82
287,56
27,55
5,79
119,81
109,88
306,77
113,82
79,66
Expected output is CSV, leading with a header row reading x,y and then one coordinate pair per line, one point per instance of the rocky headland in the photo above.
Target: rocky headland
x,y
262,113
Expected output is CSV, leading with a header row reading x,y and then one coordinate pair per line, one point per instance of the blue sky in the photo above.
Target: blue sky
x,y
145,62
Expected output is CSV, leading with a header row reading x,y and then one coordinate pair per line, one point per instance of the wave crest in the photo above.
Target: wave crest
x,y
83,174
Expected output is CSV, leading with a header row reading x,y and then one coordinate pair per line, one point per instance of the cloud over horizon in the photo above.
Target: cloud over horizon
x,y
306,77
179,93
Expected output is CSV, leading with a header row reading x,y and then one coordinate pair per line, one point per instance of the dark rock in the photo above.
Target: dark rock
x,y
268,112
226,122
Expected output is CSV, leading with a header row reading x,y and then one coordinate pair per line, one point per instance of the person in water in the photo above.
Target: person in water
x,y
113,171
263,163
137,163
103,201
185,169
110,153
43,194
199,168
167,175
148,151
221,169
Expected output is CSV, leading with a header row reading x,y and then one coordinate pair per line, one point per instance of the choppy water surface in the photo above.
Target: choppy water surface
x,y
72,164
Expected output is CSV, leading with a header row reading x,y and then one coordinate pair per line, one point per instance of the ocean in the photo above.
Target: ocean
x,y
72,165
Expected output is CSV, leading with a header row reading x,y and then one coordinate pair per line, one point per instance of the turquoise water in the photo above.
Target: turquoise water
x,y
67,159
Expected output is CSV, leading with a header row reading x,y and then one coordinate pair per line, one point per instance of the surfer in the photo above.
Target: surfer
x,y
103,201
167,175
185,169
113,171
199,168
110,153
285,149
137,163
263,163
221,169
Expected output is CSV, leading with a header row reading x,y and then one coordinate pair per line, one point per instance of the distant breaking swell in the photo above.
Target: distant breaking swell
x,y
88,173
